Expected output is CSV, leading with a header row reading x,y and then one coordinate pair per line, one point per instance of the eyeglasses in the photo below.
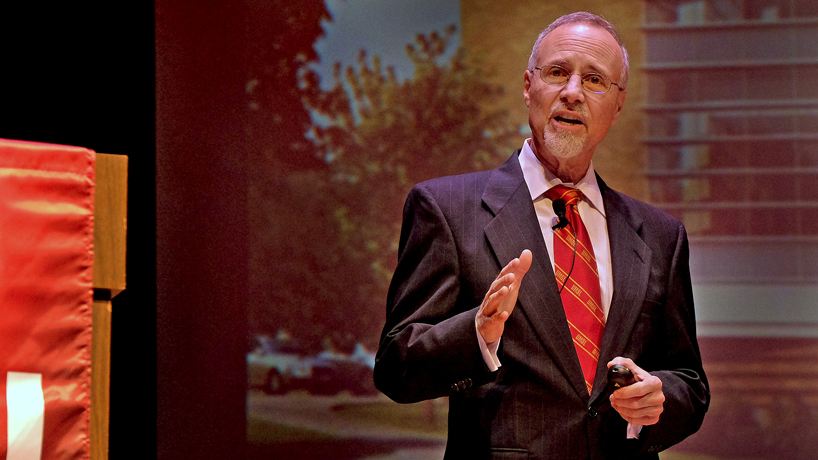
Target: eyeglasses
x,y
591,82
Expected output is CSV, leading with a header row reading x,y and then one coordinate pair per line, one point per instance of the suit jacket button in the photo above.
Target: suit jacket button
x,y
592,412
455,387
461,385
468,383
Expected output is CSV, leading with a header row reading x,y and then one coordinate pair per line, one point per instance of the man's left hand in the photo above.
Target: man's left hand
x,y
641,403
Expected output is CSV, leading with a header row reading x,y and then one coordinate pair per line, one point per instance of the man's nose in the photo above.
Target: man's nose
x,y
572,92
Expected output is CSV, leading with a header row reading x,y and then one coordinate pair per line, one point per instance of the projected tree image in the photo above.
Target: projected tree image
x,y
280,37
377,137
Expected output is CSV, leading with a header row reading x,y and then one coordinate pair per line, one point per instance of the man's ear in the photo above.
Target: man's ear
x,y
620,102
527,88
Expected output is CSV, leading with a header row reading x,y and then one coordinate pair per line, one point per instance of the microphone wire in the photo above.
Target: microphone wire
x,y
574,255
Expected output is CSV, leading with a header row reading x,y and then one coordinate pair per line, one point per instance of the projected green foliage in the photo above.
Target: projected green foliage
x,y
378,137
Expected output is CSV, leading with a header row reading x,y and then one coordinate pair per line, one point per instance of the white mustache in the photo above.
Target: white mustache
x,y
578,108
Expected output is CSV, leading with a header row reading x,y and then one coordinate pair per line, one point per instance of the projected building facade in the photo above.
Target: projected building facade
x,y
732,137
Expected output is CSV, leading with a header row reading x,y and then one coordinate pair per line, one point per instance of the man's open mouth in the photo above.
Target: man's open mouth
x,y
572,121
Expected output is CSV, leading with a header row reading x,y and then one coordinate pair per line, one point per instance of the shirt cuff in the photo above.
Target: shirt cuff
x,y
633,431
489,351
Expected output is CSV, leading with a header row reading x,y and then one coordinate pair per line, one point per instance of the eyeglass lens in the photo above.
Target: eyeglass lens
x,y
591,82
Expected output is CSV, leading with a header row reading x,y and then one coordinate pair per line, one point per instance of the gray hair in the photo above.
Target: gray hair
x,y
590,19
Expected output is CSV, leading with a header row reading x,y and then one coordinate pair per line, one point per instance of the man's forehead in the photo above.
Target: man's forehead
x,y
595,31
582,44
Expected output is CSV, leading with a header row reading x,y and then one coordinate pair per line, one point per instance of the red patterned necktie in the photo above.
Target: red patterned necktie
x,y
578,279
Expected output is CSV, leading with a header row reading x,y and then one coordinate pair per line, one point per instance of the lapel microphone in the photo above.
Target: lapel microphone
x,y
559,210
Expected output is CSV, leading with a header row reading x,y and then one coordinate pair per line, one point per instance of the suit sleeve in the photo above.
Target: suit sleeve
x,y
687,394
429,345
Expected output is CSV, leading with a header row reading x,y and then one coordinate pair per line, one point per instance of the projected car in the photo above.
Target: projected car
x,y
278,366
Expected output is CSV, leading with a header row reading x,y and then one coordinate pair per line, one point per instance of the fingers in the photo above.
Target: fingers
x,y
519,266
517,269
501,282
492,314
641,403
525,260
508,280
498,290
643,409
510,267
491,325
500,299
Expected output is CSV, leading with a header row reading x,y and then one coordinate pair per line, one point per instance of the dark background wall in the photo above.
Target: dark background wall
x,y
201,230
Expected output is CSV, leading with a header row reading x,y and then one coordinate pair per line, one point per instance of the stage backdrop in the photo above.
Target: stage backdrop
x,y
350,103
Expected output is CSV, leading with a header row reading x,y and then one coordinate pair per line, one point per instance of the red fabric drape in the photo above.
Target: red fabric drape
x,y
46,258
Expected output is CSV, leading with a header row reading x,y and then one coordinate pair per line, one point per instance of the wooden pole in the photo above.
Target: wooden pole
x,y
110,226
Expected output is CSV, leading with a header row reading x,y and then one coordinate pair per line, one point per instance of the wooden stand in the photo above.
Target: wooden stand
x,y
110,224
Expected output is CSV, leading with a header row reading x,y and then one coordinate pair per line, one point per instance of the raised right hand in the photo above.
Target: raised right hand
x,y
501,298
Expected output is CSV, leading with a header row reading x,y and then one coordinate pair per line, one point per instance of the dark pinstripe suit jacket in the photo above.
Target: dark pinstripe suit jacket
x,y
458,232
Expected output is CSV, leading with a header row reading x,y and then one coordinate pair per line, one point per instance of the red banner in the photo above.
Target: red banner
x,y
46,257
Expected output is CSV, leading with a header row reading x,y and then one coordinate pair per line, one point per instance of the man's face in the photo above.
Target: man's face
x,y
568,122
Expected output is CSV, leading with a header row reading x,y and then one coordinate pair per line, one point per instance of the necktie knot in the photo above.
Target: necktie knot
x,y
571,196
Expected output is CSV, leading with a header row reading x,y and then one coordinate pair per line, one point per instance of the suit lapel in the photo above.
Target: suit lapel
x,y
514,228
630,260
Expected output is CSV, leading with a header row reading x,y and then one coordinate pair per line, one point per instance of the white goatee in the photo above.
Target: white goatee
x,y
565,144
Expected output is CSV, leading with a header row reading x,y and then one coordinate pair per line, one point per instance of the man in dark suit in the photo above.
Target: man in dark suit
x,y
475,311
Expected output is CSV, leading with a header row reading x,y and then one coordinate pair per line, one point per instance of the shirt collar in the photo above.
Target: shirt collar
x,y
539,179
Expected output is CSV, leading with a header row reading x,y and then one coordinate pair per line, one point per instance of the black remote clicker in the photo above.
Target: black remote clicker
x,y
620,376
